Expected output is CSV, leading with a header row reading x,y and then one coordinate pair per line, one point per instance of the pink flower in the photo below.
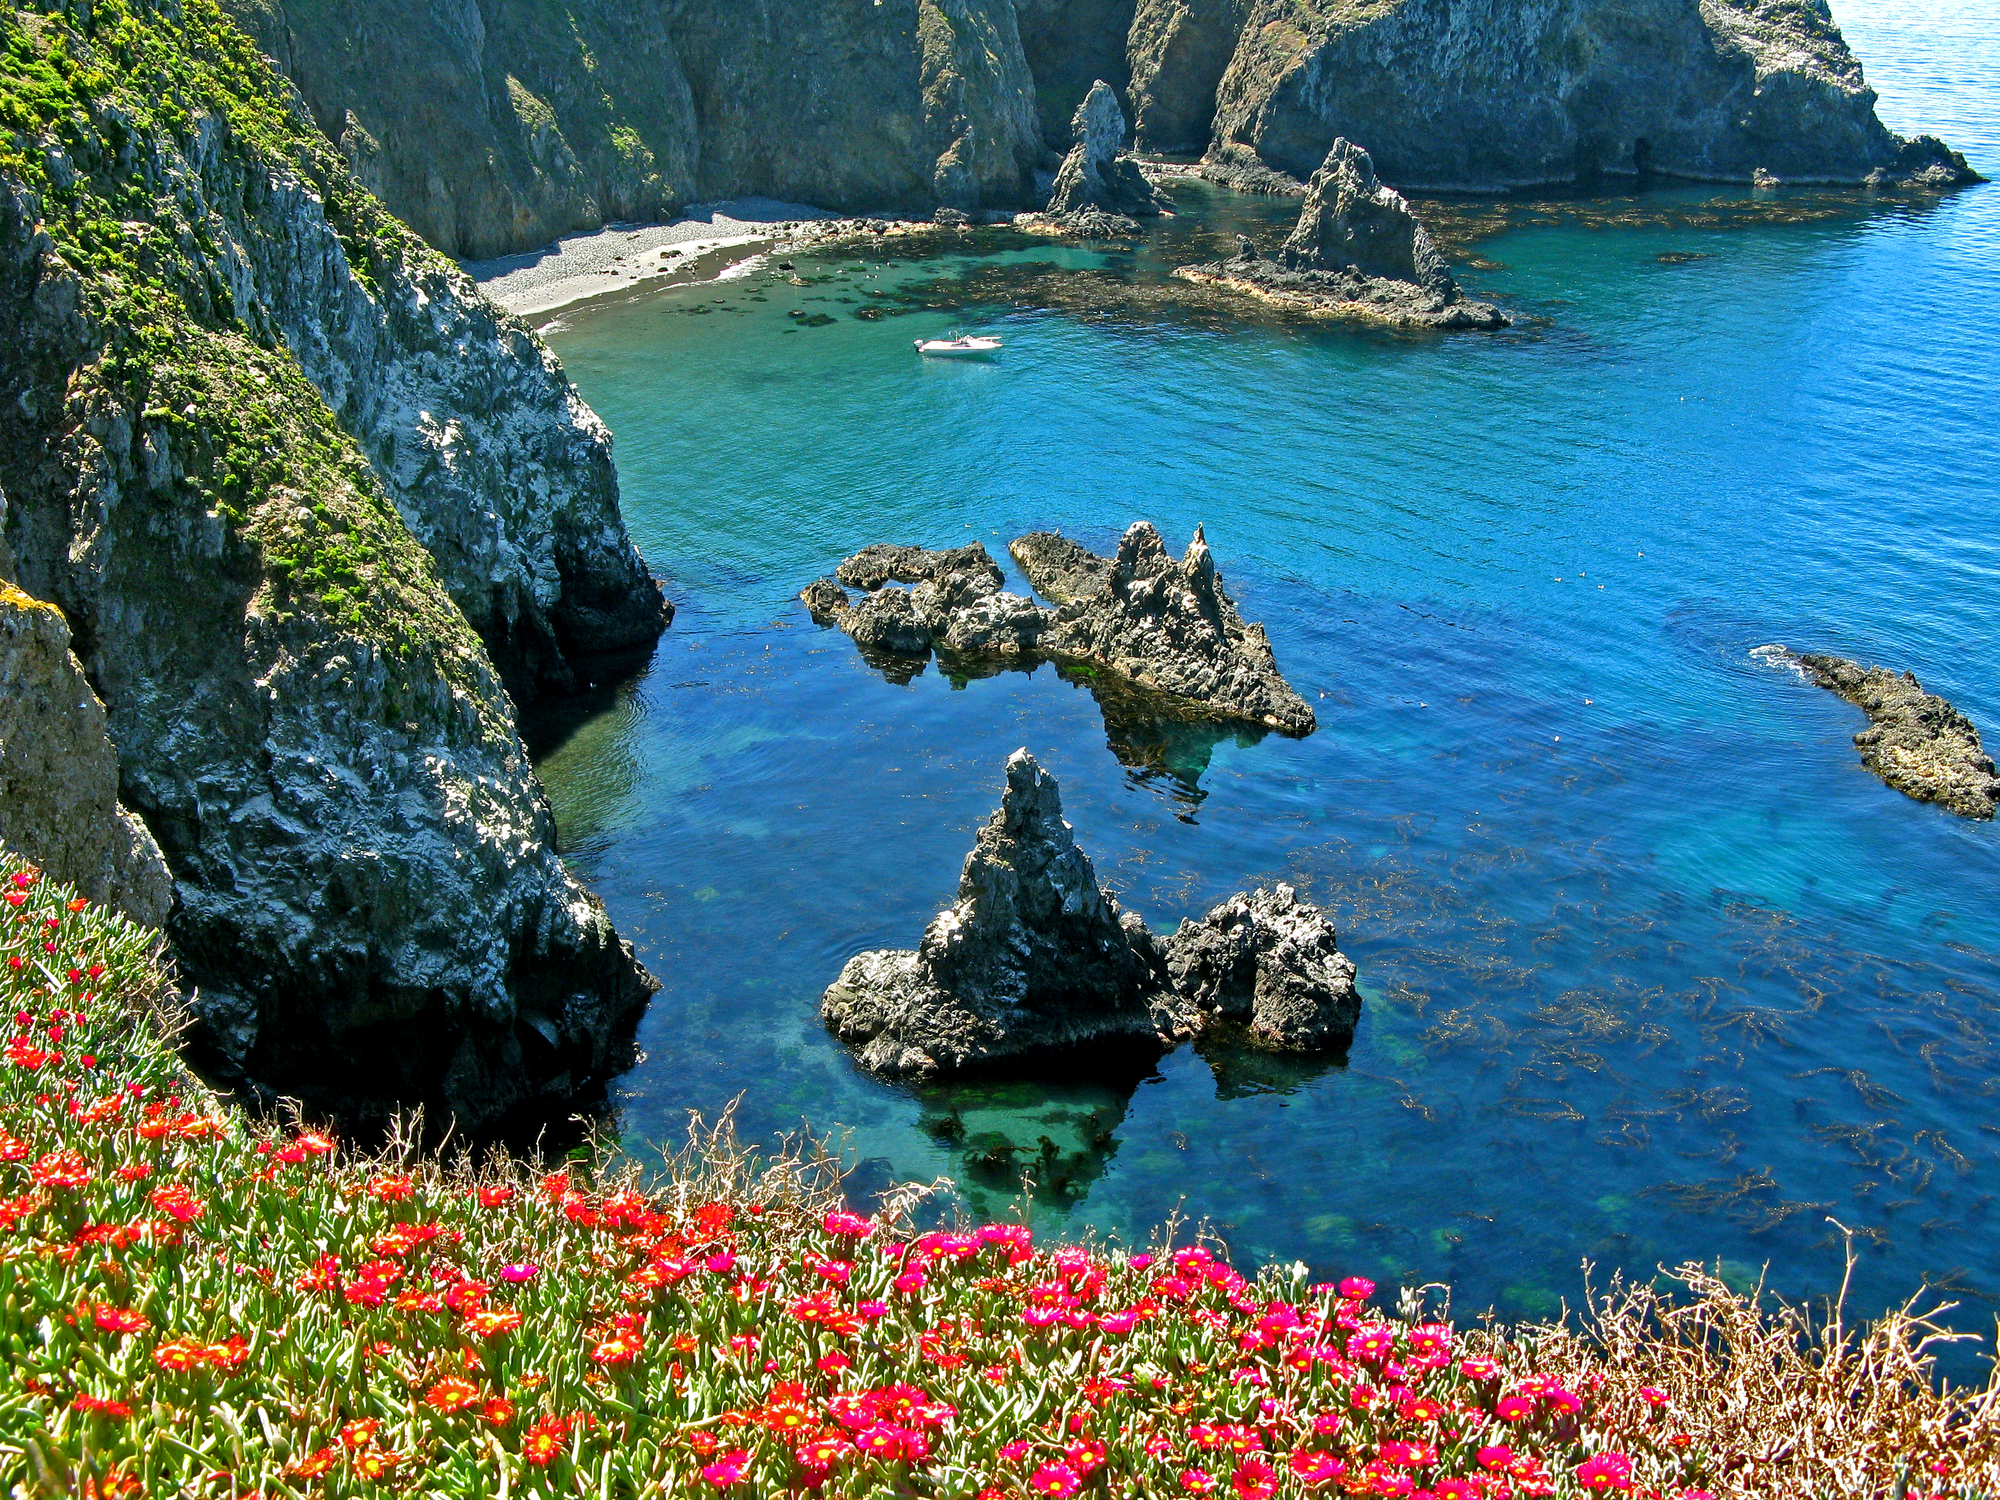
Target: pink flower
x,y
1605,1471
728,1469
1055,1479
1496,1457
1652,1395
722,1262
1254,1480
1014,1452
1357,1288
524,1272
1197,1481
1315,1467
845,1225
1513,1408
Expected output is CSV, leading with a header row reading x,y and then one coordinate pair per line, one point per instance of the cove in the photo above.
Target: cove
x,y
1654,969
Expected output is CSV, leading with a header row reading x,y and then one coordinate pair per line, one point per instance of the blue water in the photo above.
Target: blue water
x,y
1654,969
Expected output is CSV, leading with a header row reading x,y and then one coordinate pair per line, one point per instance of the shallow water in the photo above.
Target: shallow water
x,y
1655,969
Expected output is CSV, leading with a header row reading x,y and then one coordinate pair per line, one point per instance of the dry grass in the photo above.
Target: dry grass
x,y
1788,1403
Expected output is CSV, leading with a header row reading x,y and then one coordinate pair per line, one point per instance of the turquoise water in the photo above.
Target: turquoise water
x,y
1655,970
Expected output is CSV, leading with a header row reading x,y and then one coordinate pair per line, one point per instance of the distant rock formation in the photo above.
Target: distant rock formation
x,y
1916,741
59,770
1094,177
1035,957
1485,95
1166,624
1357,251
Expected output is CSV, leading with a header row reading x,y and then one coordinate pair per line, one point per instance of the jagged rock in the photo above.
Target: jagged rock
x,y
1916,741
59,770
1178,50
824,599
872,567
1163,623
1350,220
1094,175
1033,955
968,619
1271,962
887,621
1357,251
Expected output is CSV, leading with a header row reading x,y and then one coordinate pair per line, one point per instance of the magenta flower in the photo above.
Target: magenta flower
x,y
521,1272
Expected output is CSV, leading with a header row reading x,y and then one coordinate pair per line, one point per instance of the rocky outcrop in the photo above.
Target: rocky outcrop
x,y
1483,95
1035,958
368,901
1271,963
1094,177
1357,251
59,771
1166,624
1033,955
493,126
1070,45
1915,741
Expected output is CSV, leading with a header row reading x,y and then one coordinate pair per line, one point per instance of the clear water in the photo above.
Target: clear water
x,y
1655,969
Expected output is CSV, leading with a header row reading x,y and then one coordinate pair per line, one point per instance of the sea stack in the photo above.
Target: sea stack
x,y
1357,251
1035,958
1096,190
1033,955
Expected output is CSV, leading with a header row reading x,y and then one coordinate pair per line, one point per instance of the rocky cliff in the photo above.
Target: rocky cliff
x,y
240,399
496,125
1488,94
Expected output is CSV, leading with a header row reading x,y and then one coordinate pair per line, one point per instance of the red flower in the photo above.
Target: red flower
x,y
391,1187
1254,1480
542,1443
178,1203
61,1169
494,1195
728,1469
119,1320
451,1395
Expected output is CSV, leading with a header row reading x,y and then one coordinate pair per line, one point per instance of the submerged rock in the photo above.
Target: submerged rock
x,y
1271,962
1916,741
1163,623
1035,957
1357,251
1032,955
1094,176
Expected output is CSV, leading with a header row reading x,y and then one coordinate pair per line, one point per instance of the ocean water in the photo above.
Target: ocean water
x,y
1654,969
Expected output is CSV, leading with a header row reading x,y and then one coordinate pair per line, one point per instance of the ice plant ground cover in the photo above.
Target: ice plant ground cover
x,y
198,1303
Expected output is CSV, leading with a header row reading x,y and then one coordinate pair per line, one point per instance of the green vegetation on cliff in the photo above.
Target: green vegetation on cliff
x,y
96,112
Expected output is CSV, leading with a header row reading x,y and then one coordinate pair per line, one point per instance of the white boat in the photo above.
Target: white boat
x,y
960,345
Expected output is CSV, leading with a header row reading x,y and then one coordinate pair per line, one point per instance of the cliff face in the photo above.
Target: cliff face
x,y
59,773
1485,94
194,293
495,125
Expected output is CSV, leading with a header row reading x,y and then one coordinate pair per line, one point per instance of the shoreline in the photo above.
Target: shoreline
x,y
705,243
712,242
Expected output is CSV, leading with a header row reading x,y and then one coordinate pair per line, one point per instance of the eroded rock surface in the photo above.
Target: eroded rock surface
x,y
1165,623
872,567
1034,957
1357,250
1270,962
1915,741
1094,176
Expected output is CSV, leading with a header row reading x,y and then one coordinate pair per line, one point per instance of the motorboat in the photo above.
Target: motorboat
x,y
959,345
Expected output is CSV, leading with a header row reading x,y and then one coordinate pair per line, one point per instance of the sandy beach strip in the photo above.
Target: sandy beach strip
x,y
700,245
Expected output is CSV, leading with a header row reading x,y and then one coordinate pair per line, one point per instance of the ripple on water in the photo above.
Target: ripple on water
x,y
1655,969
